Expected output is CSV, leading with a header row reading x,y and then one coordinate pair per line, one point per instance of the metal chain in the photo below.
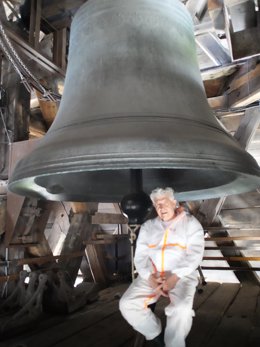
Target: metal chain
x,y
23,80
12,52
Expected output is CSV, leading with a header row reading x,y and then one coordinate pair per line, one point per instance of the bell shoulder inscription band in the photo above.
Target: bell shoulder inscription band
x,y
134,99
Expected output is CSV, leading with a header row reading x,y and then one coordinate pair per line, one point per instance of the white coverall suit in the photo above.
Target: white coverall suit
x,y
165,248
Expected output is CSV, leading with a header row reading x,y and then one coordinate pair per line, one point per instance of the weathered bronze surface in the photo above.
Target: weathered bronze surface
x,y
134,99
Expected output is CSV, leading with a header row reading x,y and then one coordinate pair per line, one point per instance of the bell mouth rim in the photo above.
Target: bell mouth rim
x,y
51,186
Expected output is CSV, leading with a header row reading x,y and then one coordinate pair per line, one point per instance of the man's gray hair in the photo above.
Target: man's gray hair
x,y
160,193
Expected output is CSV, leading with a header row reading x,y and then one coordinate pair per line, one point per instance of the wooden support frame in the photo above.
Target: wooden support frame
x,y
59,48
216,13
233,238
81,229
33,54
242,43
80,226
242,90
109,218
35,23
45,259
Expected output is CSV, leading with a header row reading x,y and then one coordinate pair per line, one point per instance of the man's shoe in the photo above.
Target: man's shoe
x,y
159,340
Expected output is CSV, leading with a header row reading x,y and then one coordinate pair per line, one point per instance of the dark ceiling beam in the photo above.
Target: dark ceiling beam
x,y
61,23
51,8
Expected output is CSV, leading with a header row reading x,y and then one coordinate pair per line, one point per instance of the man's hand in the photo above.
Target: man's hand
x,y
157,282
170,282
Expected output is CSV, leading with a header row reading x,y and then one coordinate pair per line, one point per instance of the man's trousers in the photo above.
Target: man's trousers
x,y
134,306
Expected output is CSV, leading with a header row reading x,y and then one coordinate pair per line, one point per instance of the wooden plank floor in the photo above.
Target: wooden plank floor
x,y
227,315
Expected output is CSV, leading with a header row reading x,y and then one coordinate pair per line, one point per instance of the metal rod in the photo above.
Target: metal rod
x,y
136,179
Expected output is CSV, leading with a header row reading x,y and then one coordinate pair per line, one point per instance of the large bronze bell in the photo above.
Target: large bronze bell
x,y
134,100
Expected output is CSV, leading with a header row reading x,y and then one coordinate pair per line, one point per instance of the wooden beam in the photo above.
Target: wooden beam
x,y
214,87
233,238
196,8
83,207
245,43
42,248
59,48
22,219
48,108
8,278
82,229
30,229
222,228
23,245
58,6
216,13
249,217
15,202
78,231
35,23
32,23
212,47
209,209
230,268
218,102
232,248
37,126
45,259
62,23
248,126
2,215
233,258
105,239
31,53
244,88
109,218
95,257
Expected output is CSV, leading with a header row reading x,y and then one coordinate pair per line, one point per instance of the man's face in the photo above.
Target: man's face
x,y
165,208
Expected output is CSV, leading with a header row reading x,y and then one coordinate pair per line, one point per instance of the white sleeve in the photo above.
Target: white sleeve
x,y
195,248
141,259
